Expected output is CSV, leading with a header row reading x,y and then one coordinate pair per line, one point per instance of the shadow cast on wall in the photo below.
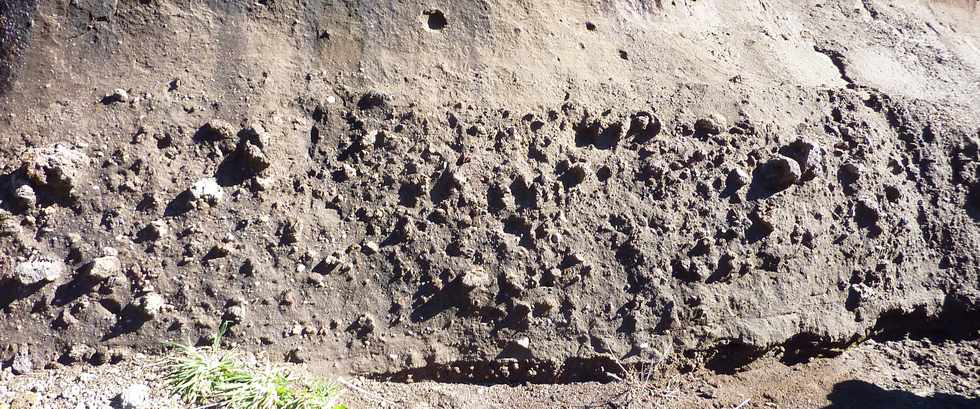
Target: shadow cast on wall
x,y
856,394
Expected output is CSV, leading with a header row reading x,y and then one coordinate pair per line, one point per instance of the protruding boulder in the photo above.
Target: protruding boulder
x,y
24,197
57,168
116,96
712,124
474,279
22,363
102,268
136,396
154,231
644,126
253,158
217,130
208,190
780,173
808,155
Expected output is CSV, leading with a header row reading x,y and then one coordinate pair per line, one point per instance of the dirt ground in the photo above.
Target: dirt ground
x,y
899,374
498,192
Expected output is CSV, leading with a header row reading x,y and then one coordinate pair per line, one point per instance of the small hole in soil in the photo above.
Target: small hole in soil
x,y
624,55
435,20
604,173
590,26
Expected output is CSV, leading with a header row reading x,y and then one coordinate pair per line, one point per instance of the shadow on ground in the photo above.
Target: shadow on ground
x,y
856,394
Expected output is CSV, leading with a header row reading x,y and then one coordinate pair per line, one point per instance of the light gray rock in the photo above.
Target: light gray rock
x,y
809,155
151,304
136,396
253,158
102,268
39,269
154,231
217,130
22,364
24,196
234,314
713,124
117,95
475,278
523,343
737,179
371,247
208,190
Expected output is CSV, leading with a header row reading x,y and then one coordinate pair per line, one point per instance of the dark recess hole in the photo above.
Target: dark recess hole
x,y
524,196
759,229
867,218
604,173
728,359
973,202
590,26
574,176
495,199
593,133
409,194
435,20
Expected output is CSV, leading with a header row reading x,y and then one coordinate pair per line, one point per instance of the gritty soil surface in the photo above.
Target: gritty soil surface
x,y
898,374
488,192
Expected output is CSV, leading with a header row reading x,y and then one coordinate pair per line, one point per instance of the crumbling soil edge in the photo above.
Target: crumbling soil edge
x,y
959,319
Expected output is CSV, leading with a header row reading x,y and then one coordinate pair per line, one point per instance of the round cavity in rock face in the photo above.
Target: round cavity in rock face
x,y
435,20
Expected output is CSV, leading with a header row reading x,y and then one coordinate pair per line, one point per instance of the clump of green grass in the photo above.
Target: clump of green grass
x,y
194,372
218,377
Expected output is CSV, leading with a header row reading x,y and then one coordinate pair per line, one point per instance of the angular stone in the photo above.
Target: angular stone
x,y
39,269
780,173
102,268
475,278
713,124
253,158
22,364
57,167
208,190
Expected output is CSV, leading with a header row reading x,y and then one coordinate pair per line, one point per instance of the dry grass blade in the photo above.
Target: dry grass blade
x,y
640,389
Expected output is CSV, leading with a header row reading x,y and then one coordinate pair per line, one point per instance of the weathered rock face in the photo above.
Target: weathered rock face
x,y
780,173
480,194
206,190
102,268
57,170
41,269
